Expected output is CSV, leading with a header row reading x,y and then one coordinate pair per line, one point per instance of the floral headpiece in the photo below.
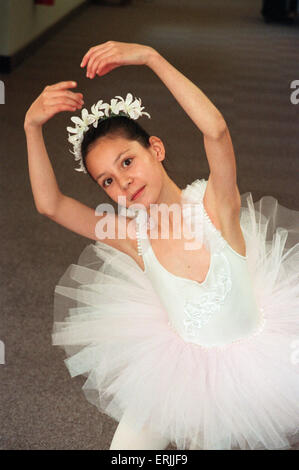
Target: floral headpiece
x,y
127,107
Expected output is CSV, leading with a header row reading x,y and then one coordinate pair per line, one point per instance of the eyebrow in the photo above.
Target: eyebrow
x,y
122,153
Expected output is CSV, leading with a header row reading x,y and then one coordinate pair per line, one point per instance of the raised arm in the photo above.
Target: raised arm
x,y
222,198
48,198
195,103
222,191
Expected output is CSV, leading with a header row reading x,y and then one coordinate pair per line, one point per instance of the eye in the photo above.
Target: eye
x,y
126,160
104,182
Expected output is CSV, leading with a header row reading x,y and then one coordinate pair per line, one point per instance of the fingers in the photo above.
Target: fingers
x,y
56,108
99,63
94,59
63,101
96,51
57,98
77,98
93,63
52,94
93,50
86,57
63,85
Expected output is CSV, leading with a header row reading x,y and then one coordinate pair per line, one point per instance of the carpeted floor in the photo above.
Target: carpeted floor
x,y
243,65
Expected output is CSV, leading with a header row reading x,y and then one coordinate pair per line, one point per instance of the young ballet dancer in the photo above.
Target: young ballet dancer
x,y
183,312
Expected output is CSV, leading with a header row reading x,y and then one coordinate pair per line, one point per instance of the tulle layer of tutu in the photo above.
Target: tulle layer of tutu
x,y
115,332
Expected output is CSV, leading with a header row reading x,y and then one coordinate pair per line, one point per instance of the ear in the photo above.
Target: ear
x,y
157,147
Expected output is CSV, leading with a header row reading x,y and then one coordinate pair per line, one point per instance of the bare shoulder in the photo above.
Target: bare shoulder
x,y
226,219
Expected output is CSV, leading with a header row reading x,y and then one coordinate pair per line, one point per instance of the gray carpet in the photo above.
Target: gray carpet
x,y
244,66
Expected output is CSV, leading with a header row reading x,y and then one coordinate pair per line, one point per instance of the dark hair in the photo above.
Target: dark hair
x,y
117,126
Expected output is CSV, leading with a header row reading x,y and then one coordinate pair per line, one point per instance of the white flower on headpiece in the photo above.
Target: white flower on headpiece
x,y
95,109
73,139
132,108
81,124
115,106
76,136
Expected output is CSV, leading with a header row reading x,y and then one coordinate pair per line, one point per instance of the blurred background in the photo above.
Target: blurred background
x,y
243,54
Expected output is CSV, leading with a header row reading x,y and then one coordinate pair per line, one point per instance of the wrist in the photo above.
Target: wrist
x,y
29,126
152,57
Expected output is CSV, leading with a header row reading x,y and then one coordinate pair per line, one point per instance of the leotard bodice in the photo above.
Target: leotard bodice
x,y
221,309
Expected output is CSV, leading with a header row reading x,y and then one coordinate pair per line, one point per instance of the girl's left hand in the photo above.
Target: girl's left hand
x,y
105,57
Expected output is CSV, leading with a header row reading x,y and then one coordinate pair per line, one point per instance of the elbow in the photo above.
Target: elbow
x,y
48,208
222,127
219,129
44,212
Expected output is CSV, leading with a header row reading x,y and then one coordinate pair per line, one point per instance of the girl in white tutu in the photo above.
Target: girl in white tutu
x,y
187,332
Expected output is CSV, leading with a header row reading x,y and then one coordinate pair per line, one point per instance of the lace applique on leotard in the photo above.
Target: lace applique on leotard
x,y
210,295
199,313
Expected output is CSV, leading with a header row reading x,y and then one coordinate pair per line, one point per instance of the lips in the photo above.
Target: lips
x,y
137,194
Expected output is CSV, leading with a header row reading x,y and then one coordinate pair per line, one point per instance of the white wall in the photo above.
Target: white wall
x,y
21,21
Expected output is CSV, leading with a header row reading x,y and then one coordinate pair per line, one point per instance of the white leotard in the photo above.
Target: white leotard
x,y
220,310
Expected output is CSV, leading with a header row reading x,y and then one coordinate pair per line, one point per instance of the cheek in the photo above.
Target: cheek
x,y
147,168
114,194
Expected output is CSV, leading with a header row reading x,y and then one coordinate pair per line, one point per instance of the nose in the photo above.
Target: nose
x,y
125,183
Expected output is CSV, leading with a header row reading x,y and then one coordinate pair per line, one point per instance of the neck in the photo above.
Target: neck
x,y
170,194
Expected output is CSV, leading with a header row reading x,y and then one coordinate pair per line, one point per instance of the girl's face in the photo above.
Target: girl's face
x,y
122,167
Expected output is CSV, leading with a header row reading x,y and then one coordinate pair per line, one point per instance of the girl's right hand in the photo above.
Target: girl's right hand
x,y
54,99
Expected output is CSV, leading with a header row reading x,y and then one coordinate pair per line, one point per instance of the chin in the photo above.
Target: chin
x,y
144,204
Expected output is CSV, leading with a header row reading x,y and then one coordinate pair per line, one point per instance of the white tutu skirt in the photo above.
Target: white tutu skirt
x,y
115,332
